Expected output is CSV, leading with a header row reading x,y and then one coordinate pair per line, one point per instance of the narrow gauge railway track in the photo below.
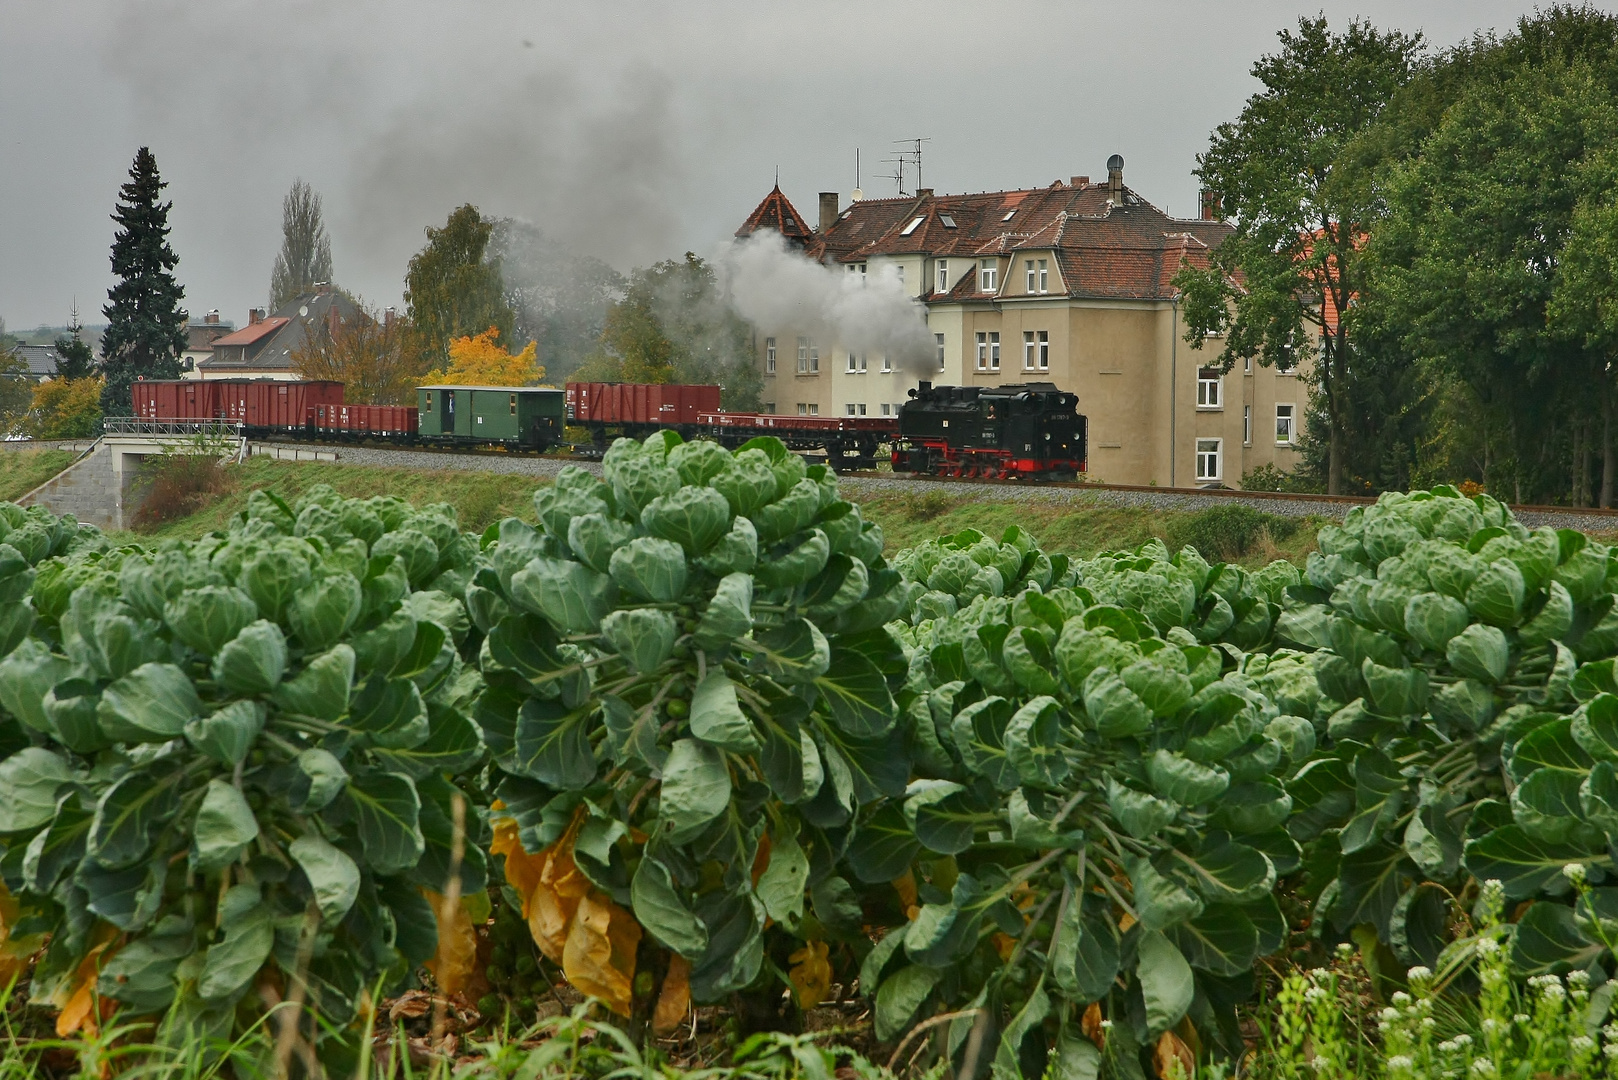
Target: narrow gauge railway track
x,y
1080,494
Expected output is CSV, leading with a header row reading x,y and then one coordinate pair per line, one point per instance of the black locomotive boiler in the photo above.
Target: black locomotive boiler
x,y
1028,430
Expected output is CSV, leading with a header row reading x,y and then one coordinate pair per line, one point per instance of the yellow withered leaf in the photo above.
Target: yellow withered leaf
x,y
1173,1058
452,966
598,956
674,999
522,869
810,974
905,886
76,996
1091,1025
556,894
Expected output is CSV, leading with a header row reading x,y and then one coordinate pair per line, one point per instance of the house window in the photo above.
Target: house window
x,y
513,404
915,223
1028,345
803,356
983,351
939,338
1029,267
1247,425
769,356
1044,276
803,410
814,410
1208,454
986,275
814,357
1284,424
885,408
1286,363
1044,350
1247,365
887,362
994,350
769,406
943,275
851,362
901,272
1209,382
850,408
862,408
862,364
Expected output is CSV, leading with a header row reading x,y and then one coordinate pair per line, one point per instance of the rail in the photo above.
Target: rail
x,y
139,425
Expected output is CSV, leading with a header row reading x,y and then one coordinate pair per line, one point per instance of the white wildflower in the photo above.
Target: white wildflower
x,y
1574,872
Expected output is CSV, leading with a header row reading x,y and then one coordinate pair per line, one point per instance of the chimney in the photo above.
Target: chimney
x,y
1210,205
1080,181
828,211
924,193
333,322
1115,179
255,316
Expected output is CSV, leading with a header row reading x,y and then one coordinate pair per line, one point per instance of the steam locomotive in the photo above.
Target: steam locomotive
x,y
1028,430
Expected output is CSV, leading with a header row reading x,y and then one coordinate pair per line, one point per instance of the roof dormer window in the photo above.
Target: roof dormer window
x,y
915,222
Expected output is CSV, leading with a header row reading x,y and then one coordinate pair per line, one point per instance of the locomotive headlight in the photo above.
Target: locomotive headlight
x,y
1047,436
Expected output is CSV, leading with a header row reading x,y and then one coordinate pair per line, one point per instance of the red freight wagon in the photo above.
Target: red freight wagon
x,y
184,399
263,403
639,403
362,420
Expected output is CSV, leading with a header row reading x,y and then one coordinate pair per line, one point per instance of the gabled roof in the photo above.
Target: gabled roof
x,y
249,334
1124,250
41,360
776,212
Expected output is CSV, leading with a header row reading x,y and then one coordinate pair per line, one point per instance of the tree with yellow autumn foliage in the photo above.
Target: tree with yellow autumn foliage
x,y
483,361
65,409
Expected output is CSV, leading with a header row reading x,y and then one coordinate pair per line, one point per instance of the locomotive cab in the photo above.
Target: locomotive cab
x,y
1031,430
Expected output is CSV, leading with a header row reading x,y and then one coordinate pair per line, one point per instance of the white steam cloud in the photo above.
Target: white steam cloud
x,y
776,288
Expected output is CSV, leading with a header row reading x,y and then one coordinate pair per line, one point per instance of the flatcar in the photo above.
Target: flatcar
x,y
1027,430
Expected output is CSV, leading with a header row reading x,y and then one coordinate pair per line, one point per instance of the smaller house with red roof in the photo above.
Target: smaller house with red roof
x,y
1069,284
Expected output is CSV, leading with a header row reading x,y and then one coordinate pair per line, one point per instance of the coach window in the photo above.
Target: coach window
x,y
429,399
1044,350
1209,385
803,356
1208,455
1284,424
769,356
513,404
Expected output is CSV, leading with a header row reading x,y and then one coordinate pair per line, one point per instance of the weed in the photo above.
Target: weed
x,y
1230,532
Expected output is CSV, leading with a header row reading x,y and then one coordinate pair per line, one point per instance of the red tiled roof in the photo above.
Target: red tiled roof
x,y
249,334
1127,251
776,212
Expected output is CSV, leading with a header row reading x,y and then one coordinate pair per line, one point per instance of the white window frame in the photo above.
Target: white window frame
x,y
1028,267
803,358
1291,421
1210,390
885,407
983,351
814,409
769,356
1044,350
803,409
943,275
862,408
1247,365
850,408
1044,276
814,358
1028,348
887,362
1210,452
988,272
1247,425
940,339
901,272
851,368
994,350
769,406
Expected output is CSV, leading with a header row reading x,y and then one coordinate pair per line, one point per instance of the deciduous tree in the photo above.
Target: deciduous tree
x,y
481,361
65,408
305,257
453,288
367,353
145,323
16,389
1301,211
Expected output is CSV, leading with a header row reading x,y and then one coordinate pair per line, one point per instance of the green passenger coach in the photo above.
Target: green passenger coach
x,y
525,417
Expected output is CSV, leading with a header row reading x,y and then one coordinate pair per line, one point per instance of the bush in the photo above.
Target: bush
x,y
1270,478
173,486
1229,532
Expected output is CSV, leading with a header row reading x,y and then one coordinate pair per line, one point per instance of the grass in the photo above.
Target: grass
x,y
21,471
906,517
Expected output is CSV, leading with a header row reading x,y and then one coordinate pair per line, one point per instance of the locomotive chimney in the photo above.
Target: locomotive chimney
x,y
1115,179
828,211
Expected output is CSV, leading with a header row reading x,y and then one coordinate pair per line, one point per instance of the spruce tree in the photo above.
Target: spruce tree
x,y
74,357
145,323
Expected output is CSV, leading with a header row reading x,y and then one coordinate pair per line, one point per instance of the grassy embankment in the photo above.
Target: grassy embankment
x,y
906,517
21,471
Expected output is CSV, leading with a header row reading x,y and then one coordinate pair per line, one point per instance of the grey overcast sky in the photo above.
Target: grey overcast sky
x,y
628,130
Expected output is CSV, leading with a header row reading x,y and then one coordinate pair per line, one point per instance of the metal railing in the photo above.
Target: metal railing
x,y
139,425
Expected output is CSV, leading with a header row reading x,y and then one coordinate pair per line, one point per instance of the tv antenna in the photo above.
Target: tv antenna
x,y
911,155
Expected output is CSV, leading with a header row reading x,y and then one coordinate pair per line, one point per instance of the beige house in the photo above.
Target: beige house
x,y
1067,284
